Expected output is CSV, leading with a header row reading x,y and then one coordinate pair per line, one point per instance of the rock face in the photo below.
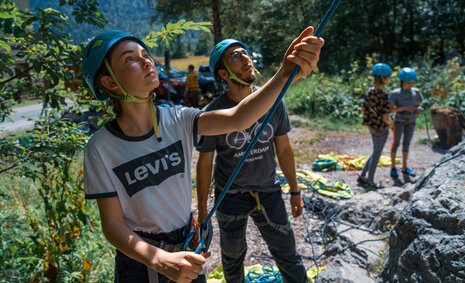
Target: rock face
x,y
427,243
362,223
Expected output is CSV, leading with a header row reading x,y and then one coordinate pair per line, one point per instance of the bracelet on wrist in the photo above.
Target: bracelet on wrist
x,y
295,193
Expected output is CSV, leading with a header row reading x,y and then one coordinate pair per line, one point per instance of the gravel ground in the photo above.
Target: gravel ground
x,y
421,157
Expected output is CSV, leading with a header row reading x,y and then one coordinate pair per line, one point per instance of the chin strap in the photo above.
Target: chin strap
x,y
131,98
233,76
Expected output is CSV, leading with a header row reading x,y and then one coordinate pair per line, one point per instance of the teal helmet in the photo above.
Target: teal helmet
x,y
381,70
217,52
96,51
408,74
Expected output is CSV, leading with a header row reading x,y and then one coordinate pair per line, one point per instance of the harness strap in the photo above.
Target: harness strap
x,y
278,227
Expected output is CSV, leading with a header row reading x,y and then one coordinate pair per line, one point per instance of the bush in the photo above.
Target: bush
x,y
341,96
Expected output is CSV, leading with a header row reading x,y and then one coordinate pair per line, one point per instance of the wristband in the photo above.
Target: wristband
x,y
295,193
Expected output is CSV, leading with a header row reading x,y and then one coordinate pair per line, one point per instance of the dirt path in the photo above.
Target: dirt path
x,y
303,140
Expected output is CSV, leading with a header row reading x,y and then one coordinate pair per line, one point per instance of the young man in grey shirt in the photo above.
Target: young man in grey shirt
x,y
256,185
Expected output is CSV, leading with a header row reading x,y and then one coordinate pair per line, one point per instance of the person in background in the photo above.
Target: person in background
x,y
192,89
376,109
406,100
255,192
138,166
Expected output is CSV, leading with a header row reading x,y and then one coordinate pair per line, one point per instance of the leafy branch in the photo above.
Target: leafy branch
x,y
168,32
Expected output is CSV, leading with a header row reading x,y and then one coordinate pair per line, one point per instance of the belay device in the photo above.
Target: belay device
x,y
204,232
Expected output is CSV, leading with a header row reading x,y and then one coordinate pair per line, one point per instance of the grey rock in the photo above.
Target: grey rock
x,y
427,243
343,272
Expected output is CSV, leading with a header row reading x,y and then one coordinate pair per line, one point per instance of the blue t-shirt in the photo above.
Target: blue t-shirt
x,y
405,98
259,170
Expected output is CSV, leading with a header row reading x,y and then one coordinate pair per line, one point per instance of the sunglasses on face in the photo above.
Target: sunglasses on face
x,y
236,56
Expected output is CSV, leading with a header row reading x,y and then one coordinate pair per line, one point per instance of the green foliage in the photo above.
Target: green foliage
x,y
204,44
56,225
339,97
171,30
325,96
47,162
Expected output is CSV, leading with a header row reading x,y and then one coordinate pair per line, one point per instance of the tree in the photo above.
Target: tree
x,y
198,10
204,43
46,60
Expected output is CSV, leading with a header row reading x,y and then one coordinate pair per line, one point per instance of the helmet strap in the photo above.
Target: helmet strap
x,y
131,98
233,76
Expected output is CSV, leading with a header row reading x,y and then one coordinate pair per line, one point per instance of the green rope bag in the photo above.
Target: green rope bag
x,y
323,165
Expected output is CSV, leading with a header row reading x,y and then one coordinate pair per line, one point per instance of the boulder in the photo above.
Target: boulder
x,y
359,231
427,244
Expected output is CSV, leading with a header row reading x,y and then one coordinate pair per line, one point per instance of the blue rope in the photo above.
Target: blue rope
x,y
268,275
270,113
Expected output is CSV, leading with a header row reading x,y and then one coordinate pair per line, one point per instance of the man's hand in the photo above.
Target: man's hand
x,y
203,213
180,266
297,205
303,51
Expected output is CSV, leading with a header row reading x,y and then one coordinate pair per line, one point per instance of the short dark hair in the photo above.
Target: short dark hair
x,y
191,67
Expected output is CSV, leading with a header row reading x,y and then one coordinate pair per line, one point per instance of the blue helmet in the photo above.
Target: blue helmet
x,y
96,51
408,74
218,50
381,70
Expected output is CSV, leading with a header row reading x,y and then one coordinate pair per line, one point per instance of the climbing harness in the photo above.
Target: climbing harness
x,y
196,234
270,113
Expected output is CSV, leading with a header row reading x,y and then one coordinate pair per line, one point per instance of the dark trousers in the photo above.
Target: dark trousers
x,y
233,236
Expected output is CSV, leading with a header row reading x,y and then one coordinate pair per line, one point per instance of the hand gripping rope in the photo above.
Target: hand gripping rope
x,y
204,227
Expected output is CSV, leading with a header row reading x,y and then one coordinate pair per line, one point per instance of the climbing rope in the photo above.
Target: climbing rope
x,y
268,274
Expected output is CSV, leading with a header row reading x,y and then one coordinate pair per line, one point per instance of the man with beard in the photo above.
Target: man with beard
x,y
256,191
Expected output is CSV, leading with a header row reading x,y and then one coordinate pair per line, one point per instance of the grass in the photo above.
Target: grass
x,y
183,63
329,124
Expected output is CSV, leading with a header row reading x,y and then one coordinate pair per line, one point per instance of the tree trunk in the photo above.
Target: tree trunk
x,y
448,123
216,21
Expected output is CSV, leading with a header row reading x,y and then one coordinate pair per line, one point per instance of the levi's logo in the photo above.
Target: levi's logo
x,y
151,169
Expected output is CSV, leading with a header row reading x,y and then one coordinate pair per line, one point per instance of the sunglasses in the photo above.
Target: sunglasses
x,y
236,56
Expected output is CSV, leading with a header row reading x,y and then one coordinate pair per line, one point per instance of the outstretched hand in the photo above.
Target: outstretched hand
x,y
303,51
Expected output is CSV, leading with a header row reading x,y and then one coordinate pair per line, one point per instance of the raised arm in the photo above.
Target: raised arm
x,y
304,51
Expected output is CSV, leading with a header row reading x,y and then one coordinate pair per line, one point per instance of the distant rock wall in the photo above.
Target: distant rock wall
x,y
427,243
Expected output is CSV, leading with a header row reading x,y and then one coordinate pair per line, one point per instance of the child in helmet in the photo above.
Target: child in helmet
x,y
376,109
406,100
138,165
